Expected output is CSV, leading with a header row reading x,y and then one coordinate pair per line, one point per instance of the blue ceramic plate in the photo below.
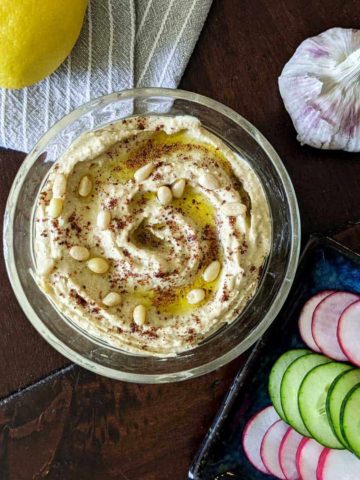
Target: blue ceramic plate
x,y
325,264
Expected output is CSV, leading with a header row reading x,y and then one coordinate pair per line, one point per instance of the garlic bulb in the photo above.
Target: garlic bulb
x,y
320,87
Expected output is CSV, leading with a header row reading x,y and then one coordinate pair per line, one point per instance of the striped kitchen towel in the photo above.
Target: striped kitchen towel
x,y
123,44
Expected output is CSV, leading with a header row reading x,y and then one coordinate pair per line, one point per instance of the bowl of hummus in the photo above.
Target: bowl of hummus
x,y
152,235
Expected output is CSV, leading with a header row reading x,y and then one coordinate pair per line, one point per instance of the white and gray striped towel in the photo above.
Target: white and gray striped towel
x,y
123,44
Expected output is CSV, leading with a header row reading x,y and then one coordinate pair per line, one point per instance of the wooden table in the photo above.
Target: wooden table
x,y
76,425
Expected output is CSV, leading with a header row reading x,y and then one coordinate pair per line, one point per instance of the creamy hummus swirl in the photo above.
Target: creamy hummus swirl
x,y
98,196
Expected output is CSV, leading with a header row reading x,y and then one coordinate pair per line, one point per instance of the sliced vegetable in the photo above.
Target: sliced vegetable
x,y
254,433
305,319
307,458
270,447
336,394
312,402
350,420
277,373
325,323
287,454
338,465
349,333
290,385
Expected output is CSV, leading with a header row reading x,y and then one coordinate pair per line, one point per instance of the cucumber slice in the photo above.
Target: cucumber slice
x,y
277,373
337,392
312,402
349,419
289,388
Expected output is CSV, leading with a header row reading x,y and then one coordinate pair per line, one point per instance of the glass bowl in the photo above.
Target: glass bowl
x,y
230,340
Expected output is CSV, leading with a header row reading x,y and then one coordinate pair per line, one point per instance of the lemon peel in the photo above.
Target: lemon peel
x,y
36,37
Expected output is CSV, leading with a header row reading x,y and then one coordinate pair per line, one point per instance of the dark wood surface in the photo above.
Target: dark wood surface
x,y
76,425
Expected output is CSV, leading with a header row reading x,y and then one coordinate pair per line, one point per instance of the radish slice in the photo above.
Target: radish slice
x,y
305,319
287,454
307,458
254,433
338,465
270,447
320,467
325,323
349,333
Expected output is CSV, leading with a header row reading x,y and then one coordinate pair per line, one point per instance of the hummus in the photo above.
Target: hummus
x,y
150,233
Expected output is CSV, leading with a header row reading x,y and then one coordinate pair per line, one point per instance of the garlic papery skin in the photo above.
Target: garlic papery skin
x,y
320,87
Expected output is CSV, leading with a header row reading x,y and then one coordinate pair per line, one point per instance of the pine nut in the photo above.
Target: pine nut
x,y
178,188
98,265
85,186
164,195
144,172
79,253
212,271
233,209
112,299
55,207
195,296
103,219
139,315
59,186
209,181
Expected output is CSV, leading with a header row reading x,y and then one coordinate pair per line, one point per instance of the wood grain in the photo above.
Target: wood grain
x,y
75,425
78,426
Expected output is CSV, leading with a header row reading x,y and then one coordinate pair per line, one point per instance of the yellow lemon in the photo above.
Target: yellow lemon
x,y
35,38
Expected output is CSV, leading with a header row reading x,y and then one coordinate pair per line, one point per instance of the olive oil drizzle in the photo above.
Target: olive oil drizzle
x,y
193,205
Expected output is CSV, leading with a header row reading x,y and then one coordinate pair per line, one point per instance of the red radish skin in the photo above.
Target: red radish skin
x,y
305,319
338,465
299,451
307,458
287,454
349,333
270,447
254,433
321,462
325,323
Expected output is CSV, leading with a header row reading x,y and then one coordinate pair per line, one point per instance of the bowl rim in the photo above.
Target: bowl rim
x,y
216,363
